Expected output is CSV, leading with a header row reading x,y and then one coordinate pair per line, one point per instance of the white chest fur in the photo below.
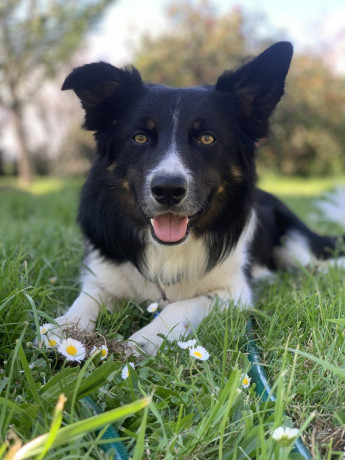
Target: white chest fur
x,y
178,271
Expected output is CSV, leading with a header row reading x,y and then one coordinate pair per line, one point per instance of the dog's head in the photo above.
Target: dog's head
x,y
179,160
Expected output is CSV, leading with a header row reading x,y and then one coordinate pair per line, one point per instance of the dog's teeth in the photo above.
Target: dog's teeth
x,y
151,220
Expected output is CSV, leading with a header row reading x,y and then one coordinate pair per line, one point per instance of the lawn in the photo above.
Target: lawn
x,y
170,406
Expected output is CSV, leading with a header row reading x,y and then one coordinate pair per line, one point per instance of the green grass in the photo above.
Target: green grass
x,y
198,410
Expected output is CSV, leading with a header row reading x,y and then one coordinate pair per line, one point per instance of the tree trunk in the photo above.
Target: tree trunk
x,y
24,168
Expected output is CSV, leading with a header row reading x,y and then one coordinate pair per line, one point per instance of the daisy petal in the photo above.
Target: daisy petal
x,y
125,371
94,350
284,434
189,344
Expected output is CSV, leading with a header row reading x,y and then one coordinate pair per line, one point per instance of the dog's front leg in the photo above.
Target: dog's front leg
x,y
176,320
84,310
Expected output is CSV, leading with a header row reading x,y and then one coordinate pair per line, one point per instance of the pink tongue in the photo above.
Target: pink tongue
x,y
170,227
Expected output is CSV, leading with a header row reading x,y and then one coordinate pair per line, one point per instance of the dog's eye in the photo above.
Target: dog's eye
x,y
140,138
206,139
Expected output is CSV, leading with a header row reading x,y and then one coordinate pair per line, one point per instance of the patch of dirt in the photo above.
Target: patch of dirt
x,y
95,339
323,432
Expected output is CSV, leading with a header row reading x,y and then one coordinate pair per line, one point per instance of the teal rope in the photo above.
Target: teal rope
x,y
110,433
262,385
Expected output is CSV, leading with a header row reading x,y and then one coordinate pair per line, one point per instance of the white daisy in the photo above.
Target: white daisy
x,y
51,341
199,353
48,336
284,434
45,328
245,380
125,371
189,344
103,351
72,349
152,307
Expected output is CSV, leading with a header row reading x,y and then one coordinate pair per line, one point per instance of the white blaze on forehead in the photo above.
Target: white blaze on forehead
x,y
171,163
176,119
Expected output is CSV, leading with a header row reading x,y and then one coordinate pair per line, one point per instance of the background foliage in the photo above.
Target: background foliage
x,y
37,38
307,131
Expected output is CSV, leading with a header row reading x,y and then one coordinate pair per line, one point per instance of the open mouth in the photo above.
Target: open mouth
x,y
169,228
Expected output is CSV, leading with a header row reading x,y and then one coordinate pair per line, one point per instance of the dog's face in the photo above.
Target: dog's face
x,y
174,158
178,161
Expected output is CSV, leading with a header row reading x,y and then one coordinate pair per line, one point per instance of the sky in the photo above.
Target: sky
x,y
309,24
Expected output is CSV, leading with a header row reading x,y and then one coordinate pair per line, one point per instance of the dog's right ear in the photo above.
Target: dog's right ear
x,y
103,90
257,87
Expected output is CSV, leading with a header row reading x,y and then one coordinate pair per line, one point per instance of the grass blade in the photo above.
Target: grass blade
x,y
140,446
70,433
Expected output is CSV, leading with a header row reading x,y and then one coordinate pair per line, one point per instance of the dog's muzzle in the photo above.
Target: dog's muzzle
x,y
169,191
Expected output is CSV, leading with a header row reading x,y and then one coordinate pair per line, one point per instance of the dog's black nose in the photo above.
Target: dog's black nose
x,y
168,190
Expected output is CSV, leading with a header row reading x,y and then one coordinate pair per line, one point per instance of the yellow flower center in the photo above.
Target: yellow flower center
x,y
71,350
245,381
43,331
52,342
104,352
197,354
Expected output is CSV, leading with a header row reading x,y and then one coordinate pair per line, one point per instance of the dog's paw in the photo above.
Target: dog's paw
x,y
140,343
68,322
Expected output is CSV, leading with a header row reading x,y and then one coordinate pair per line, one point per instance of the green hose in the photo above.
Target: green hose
x,y
262,385
110,433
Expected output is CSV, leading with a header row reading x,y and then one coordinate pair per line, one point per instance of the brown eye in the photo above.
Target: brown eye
x,y
206,139
140,138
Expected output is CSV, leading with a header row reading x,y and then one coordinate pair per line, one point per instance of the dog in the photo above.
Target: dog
x,y
170,211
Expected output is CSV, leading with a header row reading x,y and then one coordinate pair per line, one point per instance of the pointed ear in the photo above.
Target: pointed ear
x,y
257,87
102,89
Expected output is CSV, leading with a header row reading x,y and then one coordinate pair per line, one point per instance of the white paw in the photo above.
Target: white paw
x,y
68,321
140,343
148,340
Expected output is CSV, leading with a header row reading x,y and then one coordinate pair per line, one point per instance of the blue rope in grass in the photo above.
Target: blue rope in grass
x,y
110,433
262,385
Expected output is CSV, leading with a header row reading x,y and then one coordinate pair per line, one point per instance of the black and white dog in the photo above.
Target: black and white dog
x,y
170,211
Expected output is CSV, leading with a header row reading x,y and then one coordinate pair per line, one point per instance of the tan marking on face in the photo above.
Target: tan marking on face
x,y
221,189
150,124
236,173
196,124
112,167
125,184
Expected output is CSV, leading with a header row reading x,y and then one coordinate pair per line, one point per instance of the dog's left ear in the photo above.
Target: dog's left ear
x,y
257,87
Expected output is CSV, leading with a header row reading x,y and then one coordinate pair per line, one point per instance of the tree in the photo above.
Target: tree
x,y
198,45
308,128
36,38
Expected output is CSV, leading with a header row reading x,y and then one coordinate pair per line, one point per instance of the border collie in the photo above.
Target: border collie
x,y
170,211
